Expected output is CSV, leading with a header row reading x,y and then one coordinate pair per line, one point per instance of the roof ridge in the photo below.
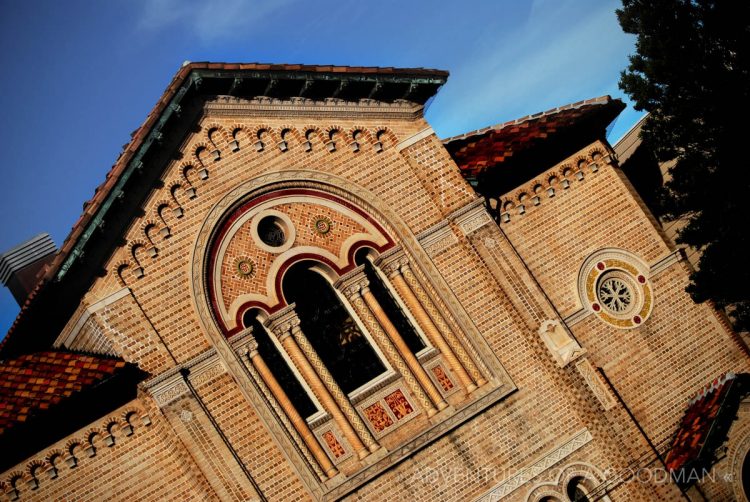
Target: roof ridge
x,y
601,100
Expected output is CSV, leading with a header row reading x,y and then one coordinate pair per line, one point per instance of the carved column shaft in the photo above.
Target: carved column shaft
x,y
442,326
356,290
296,419
429,328
321,392
425,384
333,389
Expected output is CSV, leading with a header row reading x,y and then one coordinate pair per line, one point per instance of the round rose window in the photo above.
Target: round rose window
x,y
615,294
618,292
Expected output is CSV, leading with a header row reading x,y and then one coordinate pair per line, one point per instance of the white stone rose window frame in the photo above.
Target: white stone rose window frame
x,y
614,285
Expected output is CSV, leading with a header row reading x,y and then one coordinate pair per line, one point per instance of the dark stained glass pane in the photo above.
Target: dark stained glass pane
x,y
280,369
331,330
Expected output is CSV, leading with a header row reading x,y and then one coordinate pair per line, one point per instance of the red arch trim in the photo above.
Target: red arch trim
x,y
242,209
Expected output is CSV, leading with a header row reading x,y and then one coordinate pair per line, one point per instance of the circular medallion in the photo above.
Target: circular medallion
x,y
321,225
618,292
244,267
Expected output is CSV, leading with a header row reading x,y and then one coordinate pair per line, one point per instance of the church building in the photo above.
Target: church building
x,y
289,288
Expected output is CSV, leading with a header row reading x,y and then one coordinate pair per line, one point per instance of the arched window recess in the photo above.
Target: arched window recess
x,y
332,328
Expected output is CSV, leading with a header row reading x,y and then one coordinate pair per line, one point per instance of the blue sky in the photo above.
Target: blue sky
x,y
79,76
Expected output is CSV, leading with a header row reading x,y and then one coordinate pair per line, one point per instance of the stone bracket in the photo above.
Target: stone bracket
x,y
170,385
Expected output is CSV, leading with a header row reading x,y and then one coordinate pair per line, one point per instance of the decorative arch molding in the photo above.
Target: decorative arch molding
x,y
402,242
240,224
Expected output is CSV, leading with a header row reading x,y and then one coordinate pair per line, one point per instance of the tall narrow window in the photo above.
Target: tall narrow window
x,y
332,332
390,306
280,369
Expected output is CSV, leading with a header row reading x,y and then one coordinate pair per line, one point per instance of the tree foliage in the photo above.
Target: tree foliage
x,y
691,73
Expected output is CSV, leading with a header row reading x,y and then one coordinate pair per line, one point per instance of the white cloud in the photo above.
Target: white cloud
x,y
209,20
544,63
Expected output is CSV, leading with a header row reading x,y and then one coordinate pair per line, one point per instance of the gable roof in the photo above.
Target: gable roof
x,y
491,149
170,114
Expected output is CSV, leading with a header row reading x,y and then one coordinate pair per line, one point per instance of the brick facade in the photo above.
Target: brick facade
x,y
486,290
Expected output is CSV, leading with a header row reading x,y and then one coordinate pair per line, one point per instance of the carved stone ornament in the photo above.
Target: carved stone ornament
x,y
244,342
471,217
283,322
353,283
595,384
438,238
391,262
170,385
563,347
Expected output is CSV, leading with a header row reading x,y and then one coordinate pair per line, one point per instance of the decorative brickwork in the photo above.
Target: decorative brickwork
x,y
513,395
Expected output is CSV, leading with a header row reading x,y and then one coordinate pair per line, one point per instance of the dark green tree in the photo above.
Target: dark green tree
x,y
691,73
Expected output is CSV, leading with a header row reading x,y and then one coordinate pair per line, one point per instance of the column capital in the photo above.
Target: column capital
x,y
244,342
392,261
354,283
284,322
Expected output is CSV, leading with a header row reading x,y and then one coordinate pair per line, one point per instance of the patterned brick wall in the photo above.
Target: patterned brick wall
x,y
524,444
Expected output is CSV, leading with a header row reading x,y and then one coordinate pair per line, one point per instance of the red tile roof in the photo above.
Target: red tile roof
x,y
705,423
490,147
33,383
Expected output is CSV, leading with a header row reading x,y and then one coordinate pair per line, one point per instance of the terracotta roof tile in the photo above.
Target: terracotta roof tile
x,y
491,146
705,423
32,383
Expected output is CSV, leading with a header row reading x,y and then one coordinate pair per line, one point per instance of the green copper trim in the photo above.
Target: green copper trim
x,y
117,192
174,108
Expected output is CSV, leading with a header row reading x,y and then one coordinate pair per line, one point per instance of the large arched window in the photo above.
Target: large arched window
x,y
330,328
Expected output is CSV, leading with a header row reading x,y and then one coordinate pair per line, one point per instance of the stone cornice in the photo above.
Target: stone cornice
x,y
244,341
283,321
68,335
391,262
665,262
472,217
461,211
437,238
353,283
230,106
424,133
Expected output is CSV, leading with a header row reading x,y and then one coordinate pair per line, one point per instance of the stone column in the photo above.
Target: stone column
x,y
355,286
250,350
392,269
285,325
